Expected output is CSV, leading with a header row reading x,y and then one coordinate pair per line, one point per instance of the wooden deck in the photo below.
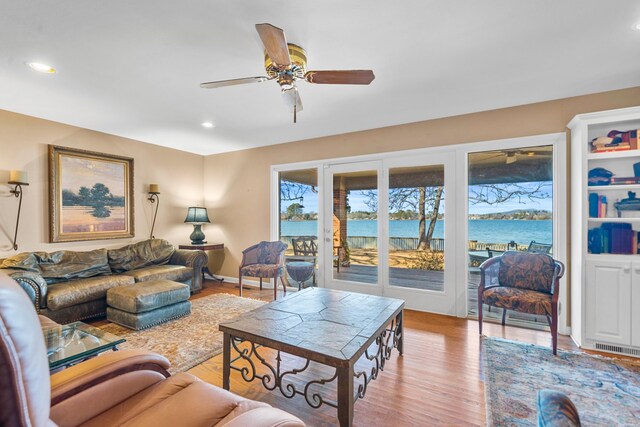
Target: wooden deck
x,y
434,281
404,277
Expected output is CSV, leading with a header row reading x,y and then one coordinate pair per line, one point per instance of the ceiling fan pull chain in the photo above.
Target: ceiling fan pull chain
x,y
295,109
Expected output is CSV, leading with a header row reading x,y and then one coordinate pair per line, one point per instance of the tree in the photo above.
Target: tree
x,y
99,199
69,198
426,201
294,210
493,194
423,200
84,196
290,190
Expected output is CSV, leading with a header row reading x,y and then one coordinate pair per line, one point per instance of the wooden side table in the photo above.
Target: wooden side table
x,y
205,247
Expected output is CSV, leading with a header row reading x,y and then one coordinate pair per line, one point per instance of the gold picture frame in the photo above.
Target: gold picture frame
x,y
90,195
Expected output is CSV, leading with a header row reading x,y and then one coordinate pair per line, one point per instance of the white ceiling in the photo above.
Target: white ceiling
x,y
132,68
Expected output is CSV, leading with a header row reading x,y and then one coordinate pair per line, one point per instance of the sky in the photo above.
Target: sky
x,y
357,202
80,172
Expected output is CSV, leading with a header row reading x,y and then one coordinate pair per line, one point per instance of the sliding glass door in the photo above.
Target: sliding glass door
x,y
418,226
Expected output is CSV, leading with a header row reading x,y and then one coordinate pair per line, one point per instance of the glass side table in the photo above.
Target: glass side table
x,y
75,342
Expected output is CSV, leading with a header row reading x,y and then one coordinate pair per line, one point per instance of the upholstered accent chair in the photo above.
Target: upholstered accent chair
x,y
524,282
126,387
266,261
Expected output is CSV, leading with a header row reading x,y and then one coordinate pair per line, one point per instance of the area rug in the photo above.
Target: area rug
x,y
190,340
606,391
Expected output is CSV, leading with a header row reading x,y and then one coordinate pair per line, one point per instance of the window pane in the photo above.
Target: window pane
x,y
355,226
416,227
510,196
299,218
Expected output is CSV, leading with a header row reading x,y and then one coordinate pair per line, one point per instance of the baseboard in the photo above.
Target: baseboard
x,y
266,283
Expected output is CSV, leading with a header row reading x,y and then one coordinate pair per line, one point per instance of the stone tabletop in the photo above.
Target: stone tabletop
x,y
330,323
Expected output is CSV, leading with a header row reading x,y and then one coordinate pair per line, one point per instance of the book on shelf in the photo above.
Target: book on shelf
x,y
624,180
597,206
612,148
616,141
613,238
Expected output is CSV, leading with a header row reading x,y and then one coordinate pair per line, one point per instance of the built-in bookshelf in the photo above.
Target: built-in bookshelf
x,y
605,227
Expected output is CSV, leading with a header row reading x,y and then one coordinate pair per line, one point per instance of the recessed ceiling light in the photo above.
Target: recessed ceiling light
x,y
637,26
207,125
43,68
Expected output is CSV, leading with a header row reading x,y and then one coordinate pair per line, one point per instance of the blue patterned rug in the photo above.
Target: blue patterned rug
x,y
606,391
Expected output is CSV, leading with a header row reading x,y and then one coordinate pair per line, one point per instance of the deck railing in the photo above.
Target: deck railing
x,y
411,243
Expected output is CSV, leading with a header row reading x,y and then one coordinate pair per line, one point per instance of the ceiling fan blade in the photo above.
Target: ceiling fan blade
x,y
274,43
340,77
291,98
233,82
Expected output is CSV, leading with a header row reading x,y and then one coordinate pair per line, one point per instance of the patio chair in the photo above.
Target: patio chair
x,y
264,260
523,282
305,248
539,248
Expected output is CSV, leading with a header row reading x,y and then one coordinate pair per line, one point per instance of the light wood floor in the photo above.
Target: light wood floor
x,y
438,381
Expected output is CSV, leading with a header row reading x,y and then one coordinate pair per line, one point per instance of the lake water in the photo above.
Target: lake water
x,y
78,219
482,230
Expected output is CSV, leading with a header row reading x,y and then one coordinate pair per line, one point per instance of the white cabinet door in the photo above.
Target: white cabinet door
x,y
635,306
608,301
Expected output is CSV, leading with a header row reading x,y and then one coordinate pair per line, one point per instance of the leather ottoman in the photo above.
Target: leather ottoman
x,y
147,304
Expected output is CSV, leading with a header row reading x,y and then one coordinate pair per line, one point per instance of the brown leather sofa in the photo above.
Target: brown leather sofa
x,y
67,286
127,387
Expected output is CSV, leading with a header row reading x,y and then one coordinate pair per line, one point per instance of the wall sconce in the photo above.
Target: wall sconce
x,y
154,197
17,179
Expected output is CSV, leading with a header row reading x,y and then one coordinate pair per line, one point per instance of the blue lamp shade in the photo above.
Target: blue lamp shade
x,y
197,215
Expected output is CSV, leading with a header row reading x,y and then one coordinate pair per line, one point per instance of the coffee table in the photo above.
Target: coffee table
x,y
333,328
74,342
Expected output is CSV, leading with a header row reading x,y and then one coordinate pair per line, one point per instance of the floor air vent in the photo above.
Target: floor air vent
x,y
618,349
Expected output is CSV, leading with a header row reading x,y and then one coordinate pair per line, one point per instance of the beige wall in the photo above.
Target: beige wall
x,y
237,183
23,146
235,186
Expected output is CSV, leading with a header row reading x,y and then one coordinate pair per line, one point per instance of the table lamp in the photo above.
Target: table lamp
x,y
197,216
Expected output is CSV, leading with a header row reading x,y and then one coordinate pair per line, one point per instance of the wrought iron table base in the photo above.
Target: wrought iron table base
x,y
386,340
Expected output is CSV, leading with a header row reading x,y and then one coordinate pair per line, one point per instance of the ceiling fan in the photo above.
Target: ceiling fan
x,y
512,156
286,63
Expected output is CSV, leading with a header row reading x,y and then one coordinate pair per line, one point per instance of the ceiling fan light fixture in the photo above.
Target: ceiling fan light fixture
x,y
42,68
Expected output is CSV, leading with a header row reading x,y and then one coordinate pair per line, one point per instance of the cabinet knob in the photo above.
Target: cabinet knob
x,y
626,270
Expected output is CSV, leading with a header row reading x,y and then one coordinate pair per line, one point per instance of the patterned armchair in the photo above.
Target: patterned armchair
x,y
264,260
524,282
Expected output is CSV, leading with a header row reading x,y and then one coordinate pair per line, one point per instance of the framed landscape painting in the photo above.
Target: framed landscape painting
x,y
90,195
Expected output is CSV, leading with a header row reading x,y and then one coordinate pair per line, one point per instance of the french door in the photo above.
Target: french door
x,y
352,229
386,230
